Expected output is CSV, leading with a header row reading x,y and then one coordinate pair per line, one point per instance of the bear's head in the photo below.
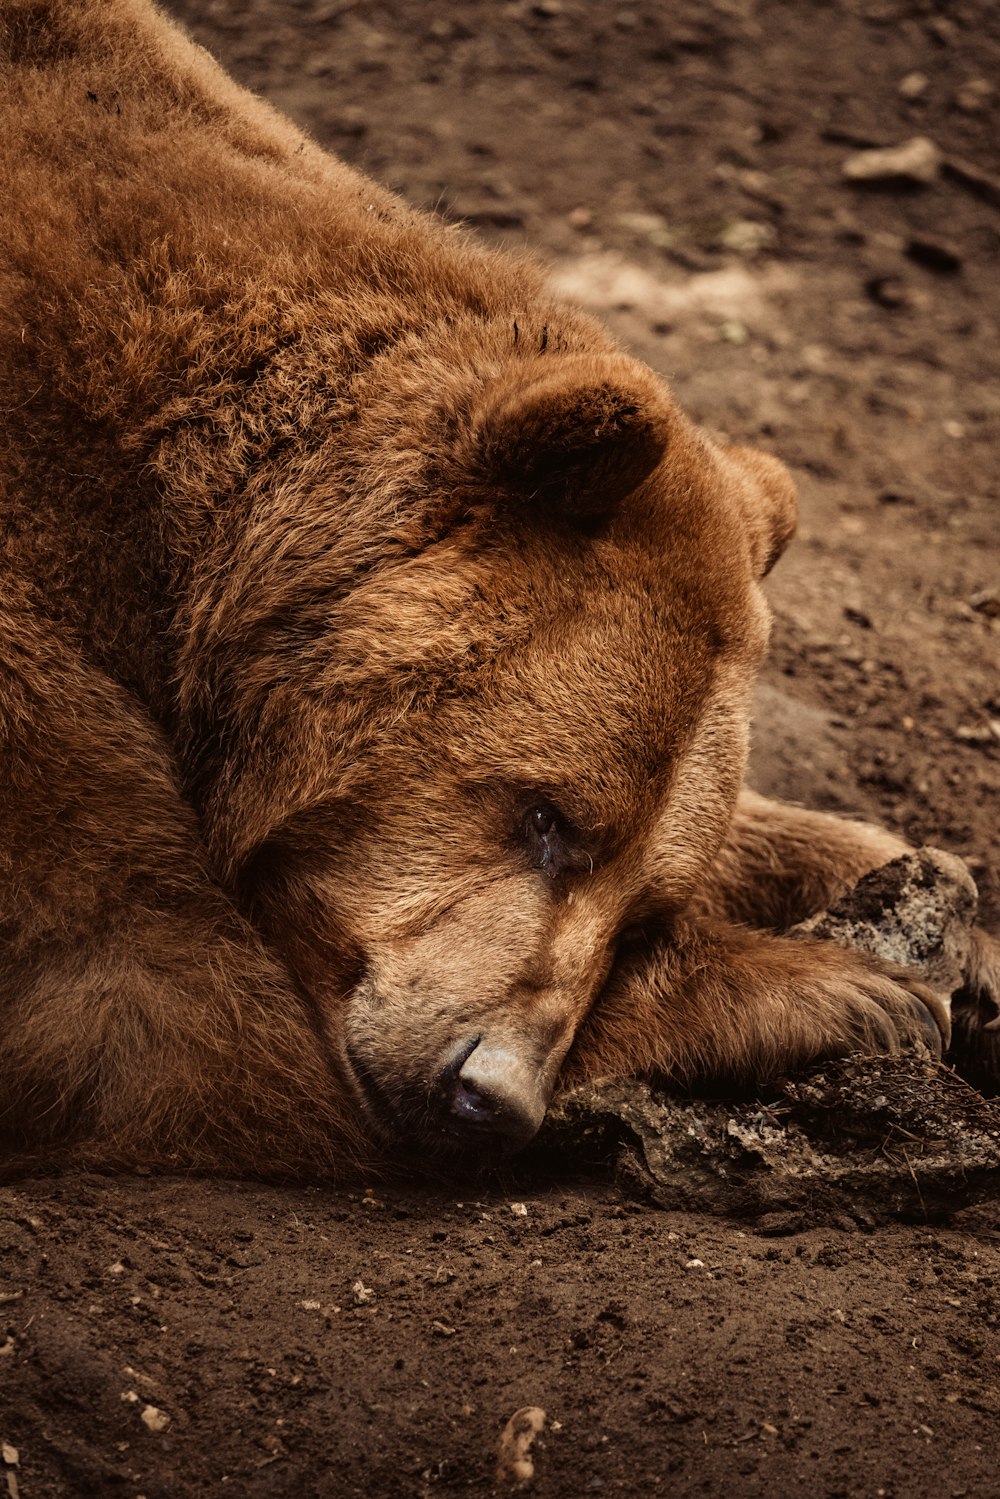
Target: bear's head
x,y
521,736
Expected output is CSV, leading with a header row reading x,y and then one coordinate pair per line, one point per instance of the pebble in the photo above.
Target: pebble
x,y
942,29
746,236
154,1419
913,85
917,160
979,733
519,1209
972,97
514,1460
694,1264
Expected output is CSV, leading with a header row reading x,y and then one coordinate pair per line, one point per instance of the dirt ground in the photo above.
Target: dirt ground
x,y
680,164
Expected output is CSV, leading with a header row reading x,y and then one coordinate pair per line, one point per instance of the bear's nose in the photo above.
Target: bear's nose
x,y
491,1090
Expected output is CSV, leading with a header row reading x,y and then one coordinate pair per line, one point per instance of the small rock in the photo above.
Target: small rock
x,y
915,911
514,1461
913,86
942,29
747,236
580,218
362,1293
916,161
519,1209
694,1264
972,97
979,733
154,1419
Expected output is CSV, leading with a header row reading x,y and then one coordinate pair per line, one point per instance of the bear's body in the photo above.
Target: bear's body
x,y
377,641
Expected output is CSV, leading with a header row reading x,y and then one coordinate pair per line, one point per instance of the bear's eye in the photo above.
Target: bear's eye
x,y
633,941
542,828
632,935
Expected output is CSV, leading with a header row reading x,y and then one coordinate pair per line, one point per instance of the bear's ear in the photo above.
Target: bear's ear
x,y
571,433
767,498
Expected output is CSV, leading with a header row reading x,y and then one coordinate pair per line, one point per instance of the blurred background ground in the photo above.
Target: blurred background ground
x,y
681,166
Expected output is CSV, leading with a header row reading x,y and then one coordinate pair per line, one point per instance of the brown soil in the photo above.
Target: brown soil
x,y
681,166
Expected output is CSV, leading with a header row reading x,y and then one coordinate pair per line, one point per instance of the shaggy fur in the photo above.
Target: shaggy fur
x,y
376,641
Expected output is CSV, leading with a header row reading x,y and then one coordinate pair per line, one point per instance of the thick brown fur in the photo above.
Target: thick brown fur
x,y
331,550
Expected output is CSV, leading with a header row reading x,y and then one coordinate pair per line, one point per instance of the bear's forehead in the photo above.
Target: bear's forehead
x,y
597,692
587,703
582,666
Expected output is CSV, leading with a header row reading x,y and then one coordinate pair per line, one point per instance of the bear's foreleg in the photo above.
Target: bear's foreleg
x,y
713,1001
781,864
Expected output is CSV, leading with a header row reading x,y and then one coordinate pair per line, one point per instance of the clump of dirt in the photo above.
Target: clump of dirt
x,y
682,166
863,1140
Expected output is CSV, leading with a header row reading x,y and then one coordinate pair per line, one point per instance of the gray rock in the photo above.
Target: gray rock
x,y
917,912
915,161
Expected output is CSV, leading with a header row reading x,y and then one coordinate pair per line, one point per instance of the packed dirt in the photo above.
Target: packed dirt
x,y
682,168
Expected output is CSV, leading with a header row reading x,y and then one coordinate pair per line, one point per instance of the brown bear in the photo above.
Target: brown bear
x,y
376,651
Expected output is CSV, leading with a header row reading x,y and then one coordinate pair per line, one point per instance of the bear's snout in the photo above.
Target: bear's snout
x,y
490,1090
